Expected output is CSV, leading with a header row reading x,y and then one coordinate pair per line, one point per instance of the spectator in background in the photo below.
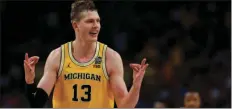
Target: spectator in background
x,y
159,104
192,100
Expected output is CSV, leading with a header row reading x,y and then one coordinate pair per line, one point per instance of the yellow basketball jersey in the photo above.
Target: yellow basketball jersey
x,y
82,85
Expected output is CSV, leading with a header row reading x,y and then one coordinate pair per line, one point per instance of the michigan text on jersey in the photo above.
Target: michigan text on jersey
x,y
88,76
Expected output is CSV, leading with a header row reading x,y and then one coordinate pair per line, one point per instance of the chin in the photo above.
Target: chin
x,y
92,40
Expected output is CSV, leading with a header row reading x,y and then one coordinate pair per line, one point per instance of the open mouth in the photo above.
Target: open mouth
x,y
92,33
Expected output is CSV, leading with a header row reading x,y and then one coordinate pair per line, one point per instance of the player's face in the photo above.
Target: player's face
x,y
192,100
89,26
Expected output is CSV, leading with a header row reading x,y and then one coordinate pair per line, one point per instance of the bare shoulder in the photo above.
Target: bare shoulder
x,y
113,61
112,55
56,53
53,59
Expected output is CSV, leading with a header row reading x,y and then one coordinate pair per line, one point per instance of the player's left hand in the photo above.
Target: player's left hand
x,y
138,72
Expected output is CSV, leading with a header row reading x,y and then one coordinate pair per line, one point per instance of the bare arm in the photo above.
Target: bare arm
x,y
50,71
38,96
124,99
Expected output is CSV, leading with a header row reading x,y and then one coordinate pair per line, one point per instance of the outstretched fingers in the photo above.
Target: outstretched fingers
x,y
26,57
143,61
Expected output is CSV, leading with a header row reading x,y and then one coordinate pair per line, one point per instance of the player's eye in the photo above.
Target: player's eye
x,y
90,21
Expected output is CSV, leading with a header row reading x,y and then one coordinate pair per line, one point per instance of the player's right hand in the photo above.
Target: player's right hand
x,y
29,68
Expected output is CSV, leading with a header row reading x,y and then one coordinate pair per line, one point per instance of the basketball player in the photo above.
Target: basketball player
x,y
84,73
192,100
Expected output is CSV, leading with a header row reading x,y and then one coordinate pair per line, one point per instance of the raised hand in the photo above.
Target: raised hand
x,y
29,67
138,72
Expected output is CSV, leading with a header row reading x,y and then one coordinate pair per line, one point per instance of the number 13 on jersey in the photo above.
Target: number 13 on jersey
x,y
87,93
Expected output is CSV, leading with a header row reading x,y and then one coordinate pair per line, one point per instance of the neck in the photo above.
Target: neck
x,y
83,49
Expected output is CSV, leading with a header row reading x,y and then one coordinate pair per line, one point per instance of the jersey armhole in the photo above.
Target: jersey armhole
x,y
104,62
61,62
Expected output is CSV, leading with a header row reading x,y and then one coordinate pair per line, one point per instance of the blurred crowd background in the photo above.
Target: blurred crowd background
x,y
187,45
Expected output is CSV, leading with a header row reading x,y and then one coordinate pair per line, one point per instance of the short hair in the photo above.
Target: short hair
x,y
79,6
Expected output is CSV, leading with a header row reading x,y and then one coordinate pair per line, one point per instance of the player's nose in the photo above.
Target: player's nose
x,y
96,24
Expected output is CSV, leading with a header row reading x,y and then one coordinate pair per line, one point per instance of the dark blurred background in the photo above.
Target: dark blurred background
x,y
187,45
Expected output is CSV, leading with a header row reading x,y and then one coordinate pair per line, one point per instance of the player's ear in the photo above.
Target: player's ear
x,y
74,25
